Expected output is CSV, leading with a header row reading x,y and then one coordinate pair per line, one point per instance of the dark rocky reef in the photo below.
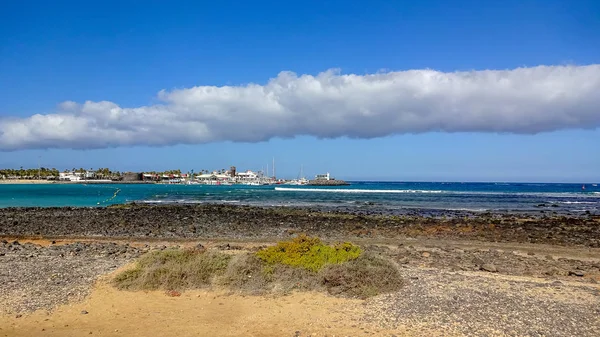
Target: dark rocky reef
x,y
247,222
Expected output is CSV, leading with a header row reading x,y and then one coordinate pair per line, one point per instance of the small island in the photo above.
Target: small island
x,y
326,180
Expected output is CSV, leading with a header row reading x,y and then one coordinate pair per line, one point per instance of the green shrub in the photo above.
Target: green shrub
x,y
303,263
308,253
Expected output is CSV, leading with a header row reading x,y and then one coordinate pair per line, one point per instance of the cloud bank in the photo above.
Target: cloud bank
x,y
329,105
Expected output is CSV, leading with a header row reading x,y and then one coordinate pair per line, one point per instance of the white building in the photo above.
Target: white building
x,y
323,176
246,177
213,178
69,176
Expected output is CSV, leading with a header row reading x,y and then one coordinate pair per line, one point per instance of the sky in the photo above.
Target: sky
x,y
365,90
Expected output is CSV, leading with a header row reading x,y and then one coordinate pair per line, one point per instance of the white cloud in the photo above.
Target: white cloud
x,y
523,100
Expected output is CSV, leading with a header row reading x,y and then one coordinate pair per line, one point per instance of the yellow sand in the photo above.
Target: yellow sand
x,y
196,313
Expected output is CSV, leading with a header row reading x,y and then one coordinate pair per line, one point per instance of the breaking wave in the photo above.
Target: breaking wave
x,y
348,190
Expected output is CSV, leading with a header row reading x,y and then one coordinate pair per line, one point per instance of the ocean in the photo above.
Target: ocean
x,y
389,197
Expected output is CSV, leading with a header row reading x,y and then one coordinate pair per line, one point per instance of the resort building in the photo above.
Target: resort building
x,y
69,176
213,178
246,177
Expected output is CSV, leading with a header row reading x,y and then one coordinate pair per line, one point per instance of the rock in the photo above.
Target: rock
x,y
200,247
477,261
403,260
489,268
19,316
578,273
426,254
84,312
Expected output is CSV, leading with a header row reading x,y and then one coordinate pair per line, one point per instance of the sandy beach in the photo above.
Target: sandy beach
x,y
24,181
486,281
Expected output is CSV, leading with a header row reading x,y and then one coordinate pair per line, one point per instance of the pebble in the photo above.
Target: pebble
x,y
37,270
489,267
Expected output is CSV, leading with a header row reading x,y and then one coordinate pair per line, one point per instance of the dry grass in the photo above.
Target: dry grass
x,y
173,269
249,274
362,276
367,276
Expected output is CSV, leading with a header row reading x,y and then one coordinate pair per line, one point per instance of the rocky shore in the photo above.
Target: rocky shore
x,y
36,277
448,291
465,274
246,222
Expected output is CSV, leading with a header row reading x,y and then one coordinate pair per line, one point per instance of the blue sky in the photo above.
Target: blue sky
x,y
126,52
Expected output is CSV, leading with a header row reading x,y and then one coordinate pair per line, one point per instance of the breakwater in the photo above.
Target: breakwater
x,y
332,182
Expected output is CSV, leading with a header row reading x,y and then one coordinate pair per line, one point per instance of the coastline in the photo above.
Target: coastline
x,y
57,182
462,274
25,182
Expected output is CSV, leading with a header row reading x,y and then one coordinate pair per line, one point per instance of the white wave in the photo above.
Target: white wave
x,y
171,201
467,209
577,202
348,190
533,194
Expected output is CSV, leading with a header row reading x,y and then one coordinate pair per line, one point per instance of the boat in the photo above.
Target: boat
x,y
595,185
301,179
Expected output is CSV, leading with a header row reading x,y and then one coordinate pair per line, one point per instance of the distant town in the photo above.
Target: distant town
x,y
219,177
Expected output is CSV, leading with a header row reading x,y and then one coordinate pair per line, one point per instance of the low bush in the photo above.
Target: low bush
x,y
173,269
308,253
248,273
367,276
303,263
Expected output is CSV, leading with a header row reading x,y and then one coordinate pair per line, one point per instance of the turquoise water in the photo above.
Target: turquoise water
x,y
388,196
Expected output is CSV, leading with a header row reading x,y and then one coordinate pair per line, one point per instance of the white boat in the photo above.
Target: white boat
x,y
301,179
